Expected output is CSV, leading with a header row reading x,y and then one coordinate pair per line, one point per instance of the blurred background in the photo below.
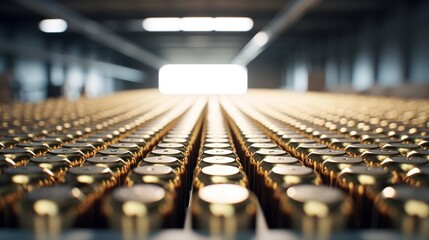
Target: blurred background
x,y
95,47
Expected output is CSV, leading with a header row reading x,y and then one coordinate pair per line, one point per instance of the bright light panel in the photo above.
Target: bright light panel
x,y
162,24
260,39
235,24
53,25
202,79
198,24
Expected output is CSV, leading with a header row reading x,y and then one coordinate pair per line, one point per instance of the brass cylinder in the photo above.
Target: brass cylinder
x,y
223,210
219,174
316,211
405,208
139,210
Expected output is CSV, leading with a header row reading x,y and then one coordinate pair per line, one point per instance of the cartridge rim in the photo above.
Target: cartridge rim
x,y
218,160
139,192
224,194
220,170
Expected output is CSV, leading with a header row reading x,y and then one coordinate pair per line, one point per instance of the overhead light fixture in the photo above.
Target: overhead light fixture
x,y
53,25
198,24
170,24
260,39
202,79
233,24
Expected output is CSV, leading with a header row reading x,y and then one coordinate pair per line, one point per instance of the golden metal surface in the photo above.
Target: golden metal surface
x,y
223,210
317,211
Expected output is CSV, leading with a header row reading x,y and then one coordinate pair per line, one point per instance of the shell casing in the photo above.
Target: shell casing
x,y
170,161
7,142
209,161
317,211
91,180
256,158
318,133
424,144
182,141
170,152
182,135
402,148
223,210
52,142
175,163
405,208
28,177
124,154
421,153
363,183
414,138
138,210
280,177
258,146
316,157
375,157
255,134
331,167
135,149
208,146
162,175
6,162
400,165
375,138
303,150
49,210
20,156
293,144
177,146
118,166
356,150
281,132
149,131
76,157
264,166
98,143
167,178
150,139
36,147
217,152
138,141
418,176
86,148
342,143
58,165
219,174
107,137
251,141
287,137
172,141
217,135
327,138
64,138
251,150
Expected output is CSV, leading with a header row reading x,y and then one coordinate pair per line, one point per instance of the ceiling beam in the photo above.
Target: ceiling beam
x,y
188,7
115,71
94,31
284,19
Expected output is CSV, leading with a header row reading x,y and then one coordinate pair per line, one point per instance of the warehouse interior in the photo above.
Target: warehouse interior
x,y
221,119
378,47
